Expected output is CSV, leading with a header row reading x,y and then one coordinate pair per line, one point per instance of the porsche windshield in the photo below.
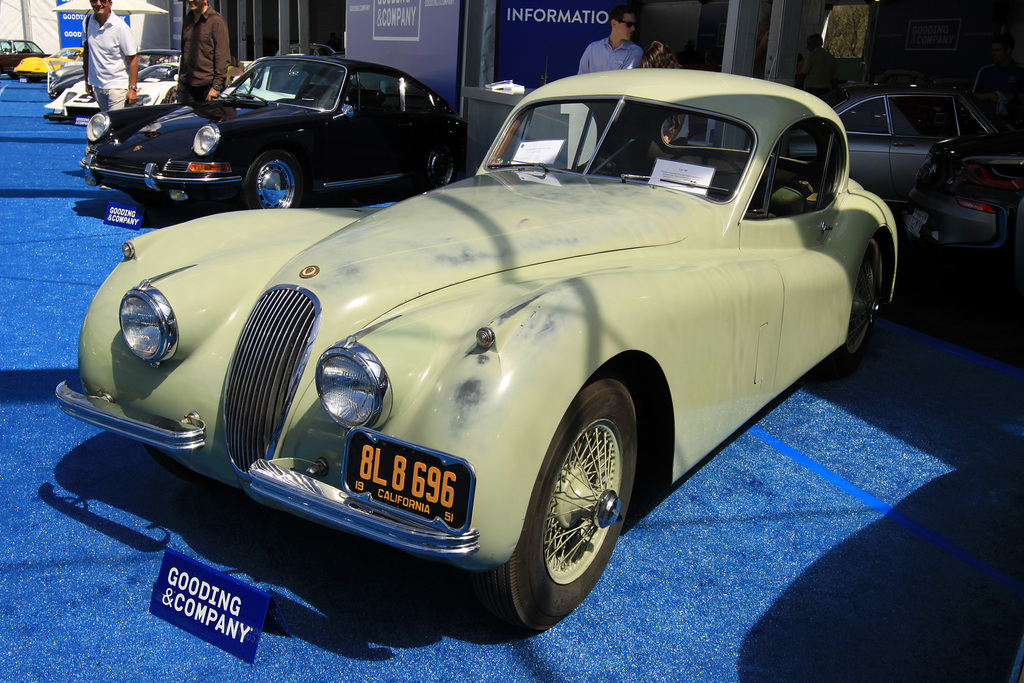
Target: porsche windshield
x,y
636,141
292,81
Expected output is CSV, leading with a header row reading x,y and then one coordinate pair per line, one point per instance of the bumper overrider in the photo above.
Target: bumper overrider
x,y
172,177
273,485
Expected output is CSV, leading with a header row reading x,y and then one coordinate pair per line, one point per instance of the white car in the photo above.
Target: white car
x,y
158,84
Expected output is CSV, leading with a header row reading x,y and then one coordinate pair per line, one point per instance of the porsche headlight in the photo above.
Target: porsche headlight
x,y
148,324
98,126
206,139
353,386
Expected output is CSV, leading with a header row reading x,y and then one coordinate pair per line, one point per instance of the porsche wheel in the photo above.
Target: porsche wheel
x,y
171,97
274,181
438,169
575,512
866,297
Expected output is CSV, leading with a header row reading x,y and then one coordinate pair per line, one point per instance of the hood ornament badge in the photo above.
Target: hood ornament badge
x,y
309,271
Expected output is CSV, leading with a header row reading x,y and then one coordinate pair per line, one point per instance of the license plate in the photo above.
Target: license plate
x,y
401,476
915,221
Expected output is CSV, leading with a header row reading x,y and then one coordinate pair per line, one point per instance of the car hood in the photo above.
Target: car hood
x,y
488,224
173,132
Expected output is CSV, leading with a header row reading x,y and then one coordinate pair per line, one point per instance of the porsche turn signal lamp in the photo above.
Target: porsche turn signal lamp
x,y
201,167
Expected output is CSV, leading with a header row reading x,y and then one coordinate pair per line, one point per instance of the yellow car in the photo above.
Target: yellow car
x,y
36,68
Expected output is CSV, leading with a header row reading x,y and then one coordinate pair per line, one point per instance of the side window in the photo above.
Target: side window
x,y
866,117
923,115
418,99
968,123
379,92
803,172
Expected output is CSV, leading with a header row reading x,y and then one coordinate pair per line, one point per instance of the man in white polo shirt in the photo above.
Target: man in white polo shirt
x,y
110,56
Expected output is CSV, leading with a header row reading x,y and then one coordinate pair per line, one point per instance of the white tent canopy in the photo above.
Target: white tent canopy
x,y
30,20
119,7
38,21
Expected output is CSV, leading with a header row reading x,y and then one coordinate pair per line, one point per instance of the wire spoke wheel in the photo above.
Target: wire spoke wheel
x,y
581,494
865,305
572,532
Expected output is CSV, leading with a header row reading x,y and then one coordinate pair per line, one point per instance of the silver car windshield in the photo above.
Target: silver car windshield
x,y
636,141
291,81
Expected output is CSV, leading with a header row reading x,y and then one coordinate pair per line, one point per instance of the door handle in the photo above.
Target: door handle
x,y
903,144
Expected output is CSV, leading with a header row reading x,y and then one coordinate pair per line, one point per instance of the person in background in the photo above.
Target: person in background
x,y
688,55
820,71
205,51
658,55
617,51
334,42
1000,85
110,58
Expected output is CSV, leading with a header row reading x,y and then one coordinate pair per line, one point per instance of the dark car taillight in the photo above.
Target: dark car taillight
x,y
988,176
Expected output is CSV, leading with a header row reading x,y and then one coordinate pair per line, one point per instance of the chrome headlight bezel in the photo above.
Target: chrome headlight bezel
x,y
353,386
156,314
206,140
98,126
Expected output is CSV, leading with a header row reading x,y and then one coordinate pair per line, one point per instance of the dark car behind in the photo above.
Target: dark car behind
x,y
969,195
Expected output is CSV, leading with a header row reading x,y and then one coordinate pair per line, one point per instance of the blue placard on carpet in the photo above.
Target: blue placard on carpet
x,y
216,607
124,215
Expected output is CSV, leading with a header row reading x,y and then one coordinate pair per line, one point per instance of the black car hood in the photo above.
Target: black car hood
x,y
174,131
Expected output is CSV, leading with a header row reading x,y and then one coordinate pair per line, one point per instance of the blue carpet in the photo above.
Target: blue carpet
x,y
863,530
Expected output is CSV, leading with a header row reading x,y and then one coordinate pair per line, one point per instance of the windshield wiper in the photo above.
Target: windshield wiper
x,y
247,96
520,164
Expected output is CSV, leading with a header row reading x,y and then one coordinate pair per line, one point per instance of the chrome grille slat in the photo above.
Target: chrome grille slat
x,y
271,354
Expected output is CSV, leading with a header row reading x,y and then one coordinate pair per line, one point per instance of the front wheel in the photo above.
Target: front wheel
x,y
574,518
866,297
274,181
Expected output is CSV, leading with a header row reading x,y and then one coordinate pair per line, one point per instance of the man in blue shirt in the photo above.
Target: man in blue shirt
x,y
1001,83
616,51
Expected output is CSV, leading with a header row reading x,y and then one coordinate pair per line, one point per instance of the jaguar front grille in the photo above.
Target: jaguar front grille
x,y
268,360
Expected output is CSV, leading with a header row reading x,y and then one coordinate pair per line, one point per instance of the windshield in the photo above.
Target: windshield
x,y
305,83
660,144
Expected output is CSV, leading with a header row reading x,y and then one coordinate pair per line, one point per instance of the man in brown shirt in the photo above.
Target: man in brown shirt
x,y
205,52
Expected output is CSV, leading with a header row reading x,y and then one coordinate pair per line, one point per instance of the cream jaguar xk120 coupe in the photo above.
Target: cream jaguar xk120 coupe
x,y
478,374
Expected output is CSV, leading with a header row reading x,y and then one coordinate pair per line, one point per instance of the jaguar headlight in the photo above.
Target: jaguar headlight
x,y
98,126
206,140
148,324
353,386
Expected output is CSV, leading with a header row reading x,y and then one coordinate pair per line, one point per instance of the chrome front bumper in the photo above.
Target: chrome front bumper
x,y
307,497
184,436
270,484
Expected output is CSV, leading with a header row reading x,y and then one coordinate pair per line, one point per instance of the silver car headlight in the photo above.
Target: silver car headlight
x,y
148,324
98,126
353,386
206,139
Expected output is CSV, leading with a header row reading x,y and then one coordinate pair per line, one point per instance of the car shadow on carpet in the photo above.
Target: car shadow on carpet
x,y
338,592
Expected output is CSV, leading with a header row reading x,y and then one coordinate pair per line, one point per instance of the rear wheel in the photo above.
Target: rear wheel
x,y
575,512
274,181
866,297
438,169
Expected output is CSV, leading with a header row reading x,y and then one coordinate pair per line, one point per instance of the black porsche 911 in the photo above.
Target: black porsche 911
x,y
287,126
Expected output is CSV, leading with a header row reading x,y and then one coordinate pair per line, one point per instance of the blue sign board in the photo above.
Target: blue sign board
x,y
421,37
213,606
538,44
123,215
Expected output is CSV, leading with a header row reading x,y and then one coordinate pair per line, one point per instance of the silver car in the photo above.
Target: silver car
x,y
891,127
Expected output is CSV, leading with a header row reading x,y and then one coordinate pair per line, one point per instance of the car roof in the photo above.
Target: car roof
x,y
766,106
